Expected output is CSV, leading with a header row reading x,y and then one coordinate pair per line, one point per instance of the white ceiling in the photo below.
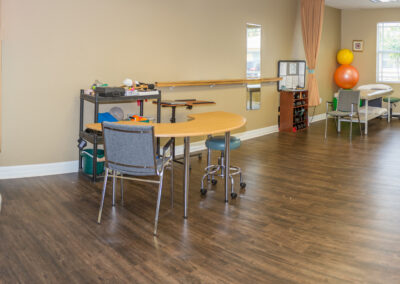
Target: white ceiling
x,y
359,4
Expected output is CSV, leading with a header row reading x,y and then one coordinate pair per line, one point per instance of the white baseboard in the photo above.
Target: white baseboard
x,y
200,145
317,118
72,166
38,170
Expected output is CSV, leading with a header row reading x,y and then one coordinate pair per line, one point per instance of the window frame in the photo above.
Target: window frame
x,y
379,52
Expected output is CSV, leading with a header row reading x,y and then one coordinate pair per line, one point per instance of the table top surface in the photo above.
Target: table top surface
x,y
207,123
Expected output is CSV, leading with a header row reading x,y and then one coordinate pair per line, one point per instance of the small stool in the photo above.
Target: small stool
x,y
393,102
218,143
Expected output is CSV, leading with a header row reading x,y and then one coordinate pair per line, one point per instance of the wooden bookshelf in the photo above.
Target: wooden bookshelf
x,y
293,110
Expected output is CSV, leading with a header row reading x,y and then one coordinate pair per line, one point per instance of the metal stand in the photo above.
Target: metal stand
x,y
176,160
96,138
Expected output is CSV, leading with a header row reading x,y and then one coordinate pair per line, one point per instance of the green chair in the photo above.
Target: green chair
x,y
393,102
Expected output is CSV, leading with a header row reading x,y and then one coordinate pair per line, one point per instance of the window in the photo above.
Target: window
x,y
388,53
253,50
253,70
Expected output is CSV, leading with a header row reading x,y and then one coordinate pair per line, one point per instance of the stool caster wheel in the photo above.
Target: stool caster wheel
x,y
242,185
233,195
203,191
214,181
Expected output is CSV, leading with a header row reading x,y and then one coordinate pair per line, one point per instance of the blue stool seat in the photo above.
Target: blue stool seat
x,y
218,143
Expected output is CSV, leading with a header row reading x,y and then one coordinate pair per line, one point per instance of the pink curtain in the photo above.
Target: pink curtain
x,y
312,17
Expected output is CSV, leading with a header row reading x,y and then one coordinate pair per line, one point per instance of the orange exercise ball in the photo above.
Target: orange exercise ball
x,y
346,76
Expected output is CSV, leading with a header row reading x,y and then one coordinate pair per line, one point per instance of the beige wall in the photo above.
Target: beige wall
x,y
326,66
54,48
361,25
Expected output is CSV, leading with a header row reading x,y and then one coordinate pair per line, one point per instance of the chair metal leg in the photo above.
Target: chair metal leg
x,y
206,175
359,123
122,189
326,125
232,185
158,204
113,187
102,196
351,127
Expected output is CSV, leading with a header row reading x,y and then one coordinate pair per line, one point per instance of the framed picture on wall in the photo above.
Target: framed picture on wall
x,y
358,45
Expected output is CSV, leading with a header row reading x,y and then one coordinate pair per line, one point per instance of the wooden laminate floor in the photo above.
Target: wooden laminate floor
x,y
314,211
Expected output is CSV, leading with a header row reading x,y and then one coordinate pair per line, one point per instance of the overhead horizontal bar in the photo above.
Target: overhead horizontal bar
x,y
216,82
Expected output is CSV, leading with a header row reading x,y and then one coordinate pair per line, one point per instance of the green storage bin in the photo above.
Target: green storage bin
x,y
87,161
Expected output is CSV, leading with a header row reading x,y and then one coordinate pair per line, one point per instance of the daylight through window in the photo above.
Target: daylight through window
x,y
388,53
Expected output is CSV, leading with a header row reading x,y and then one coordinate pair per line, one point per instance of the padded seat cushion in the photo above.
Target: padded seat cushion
x,y
392,100
218,143
341,113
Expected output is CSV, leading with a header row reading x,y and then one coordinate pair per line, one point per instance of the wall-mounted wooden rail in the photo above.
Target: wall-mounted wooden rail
x,y
216,82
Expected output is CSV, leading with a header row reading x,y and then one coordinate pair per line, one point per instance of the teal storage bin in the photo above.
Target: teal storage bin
x,y
87,161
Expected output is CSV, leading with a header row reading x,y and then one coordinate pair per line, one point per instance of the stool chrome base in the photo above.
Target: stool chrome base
x,y
218,170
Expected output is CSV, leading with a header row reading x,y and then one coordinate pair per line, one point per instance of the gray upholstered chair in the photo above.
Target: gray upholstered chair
x,y
347,107
130,151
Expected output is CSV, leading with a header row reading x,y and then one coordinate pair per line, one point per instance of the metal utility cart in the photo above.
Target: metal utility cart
x,y
97,138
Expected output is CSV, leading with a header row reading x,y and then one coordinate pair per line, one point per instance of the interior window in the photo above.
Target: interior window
x,y
388,52
253,70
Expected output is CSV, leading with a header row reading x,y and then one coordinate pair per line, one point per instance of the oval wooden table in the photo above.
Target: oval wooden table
x,y
201,124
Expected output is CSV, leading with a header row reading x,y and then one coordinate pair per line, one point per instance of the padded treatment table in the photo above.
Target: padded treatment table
x,y
369,112
201,124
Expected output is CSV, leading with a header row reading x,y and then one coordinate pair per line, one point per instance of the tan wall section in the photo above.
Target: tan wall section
x,y
54,48
326,65
361,25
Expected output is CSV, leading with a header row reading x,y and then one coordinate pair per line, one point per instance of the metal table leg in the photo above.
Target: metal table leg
x,y
389,110
96,117
366,117
94,175
141,110
186,176
158,121
81,106
227,162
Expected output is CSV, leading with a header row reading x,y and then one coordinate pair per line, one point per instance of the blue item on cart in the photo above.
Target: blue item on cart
x,y
106,116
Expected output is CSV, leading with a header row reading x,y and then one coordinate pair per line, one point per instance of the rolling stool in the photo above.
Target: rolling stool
x,y
218,143
393,102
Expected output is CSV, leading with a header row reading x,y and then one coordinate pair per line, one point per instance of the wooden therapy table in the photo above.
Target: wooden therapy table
x,y
202,124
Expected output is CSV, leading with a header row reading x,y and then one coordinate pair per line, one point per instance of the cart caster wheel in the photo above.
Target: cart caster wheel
x,y
214,181
203,191
233,195
242,185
